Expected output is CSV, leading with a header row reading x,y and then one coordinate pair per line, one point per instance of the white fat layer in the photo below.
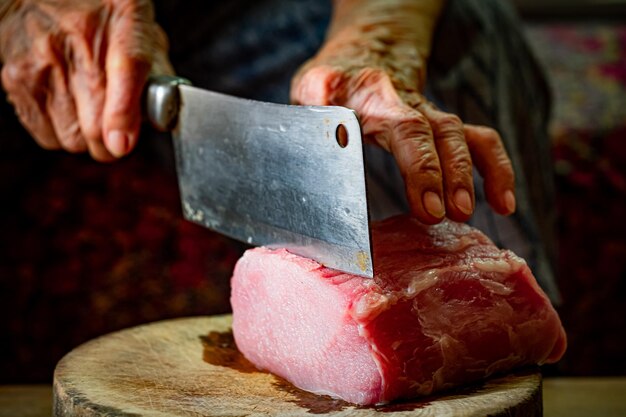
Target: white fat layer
x,y
463,242
494,265
421,282
370,305
496,287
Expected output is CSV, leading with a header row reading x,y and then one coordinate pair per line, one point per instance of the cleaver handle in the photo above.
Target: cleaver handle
x,y
161,101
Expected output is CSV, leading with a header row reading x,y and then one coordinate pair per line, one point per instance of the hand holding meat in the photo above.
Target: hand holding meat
x,y
74,70
374,61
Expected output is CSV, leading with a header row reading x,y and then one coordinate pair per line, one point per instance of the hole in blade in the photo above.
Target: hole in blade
x,y
341,134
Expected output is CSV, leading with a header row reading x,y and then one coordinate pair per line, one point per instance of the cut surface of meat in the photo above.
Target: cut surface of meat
x,y
445,307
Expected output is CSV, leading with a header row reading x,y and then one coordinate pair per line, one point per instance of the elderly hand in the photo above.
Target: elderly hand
x,y
380,74
75,69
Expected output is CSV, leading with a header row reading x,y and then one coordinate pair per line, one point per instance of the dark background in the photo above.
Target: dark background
x,y
87,248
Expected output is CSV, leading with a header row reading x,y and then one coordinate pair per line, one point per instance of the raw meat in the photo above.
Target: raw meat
x,y
446,307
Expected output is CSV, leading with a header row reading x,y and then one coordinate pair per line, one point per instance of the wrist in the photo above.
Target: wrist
x,y
405,24
394,36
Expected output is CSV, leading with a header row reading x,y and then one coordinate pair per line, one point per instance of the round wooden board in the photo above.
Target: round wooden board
x,y
191,367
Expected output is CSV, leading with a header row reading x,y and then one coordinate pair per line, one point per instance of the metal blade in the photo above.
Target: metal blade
x,y
275,175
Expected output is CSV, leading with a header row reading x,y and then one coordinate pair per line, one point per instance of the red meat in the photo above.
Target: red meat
x,y
445,307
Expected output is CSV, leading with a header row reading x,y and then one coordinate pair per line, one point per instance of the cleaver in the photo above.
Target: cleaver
x,y
273,175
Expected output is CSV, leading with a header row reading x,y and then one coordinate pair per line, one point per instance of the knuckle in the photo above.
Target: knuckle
x,y
378,83
21,77
317,85
410,126
11,76
461,165
449,121
325,73
448,126
426,165
503,162
369,76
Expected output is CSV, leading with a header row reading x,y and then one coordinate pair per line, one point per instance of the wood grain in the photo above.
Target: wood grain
x,y
191,367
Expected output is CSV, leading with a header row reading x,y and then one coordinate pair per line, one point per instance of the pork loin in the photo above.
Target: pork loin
x,y
445,307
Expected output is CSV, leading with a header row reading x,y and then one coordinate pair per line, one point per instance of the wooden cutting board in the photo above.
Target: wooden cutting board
x,y
191,367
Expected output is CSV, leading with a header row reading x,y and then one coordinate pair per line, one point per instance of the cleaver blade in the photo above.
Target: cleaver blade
x,y
270,174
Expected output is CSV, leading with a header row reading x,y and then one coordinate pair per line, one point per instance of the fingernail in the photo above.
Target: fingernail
x,y
433,204
117,143
509,201
463,201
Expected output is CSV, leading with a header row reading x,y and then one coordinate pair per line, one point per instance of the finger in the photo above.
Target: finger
x,y
62,111
127,67
456,162
411,143
402,130
122,111
22,81
161,64
87,83
493,163
99,152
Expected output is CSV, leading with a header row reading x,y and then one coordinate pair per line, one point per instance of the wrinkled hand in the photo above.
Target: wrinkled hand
x,y
75,69
434,150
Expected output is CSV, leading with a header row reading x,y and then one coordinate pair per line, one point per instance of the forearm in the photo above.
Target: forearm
x,y
392,22
394,35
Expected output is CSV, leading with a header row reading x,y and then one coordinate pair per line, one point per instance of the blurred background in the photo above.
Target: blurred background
x,y
86,248
582,47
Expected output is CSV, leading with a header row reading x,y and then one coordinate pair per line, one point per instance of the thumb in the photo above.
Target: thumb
x,y
127,67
